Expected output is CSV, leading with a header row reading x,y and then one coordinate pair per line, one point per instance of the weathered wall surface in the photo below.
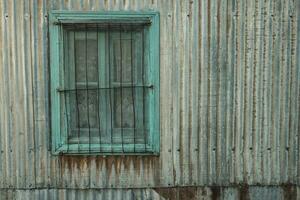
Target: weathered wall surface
x,y
177,193
230,99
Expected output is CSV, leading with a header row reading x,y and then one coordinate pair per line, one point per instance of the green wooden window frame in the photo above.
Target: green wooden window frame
x,y
59,143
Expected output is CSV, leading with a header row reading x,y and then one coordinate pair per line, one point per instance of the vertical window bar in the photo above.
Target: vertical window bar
x,y
110,91
76,91
132,88
143,83
121,89
60,58
64,78
87,89
98,91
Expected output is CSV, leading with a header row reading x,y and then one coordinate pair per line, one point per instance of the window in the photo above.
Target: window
x,y
104,82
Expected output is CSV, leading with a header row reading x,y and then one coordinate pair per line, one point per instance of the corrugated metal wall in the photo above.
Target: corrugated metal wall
x,y
230,81
183,193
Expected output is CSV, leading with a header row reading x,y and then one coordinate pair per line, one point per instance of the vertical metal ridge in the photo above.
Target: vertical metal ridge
x,y
166,70
289,104
250,66
21,150
268,167
297,93
293,92
285,78
185,132
10,102
4,87
15,119
2,123
212,90
175,99
30,171
232,28
194,65
219,95
239,86
15,86
199,83
275,92
41,77
263,151
297,128
45,62
208,122
257,95
203,92
33,68
223,104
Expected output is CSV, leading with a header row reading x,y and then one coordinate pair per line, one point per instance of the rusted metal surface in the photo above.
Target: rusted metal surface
x,y
230,98
176,193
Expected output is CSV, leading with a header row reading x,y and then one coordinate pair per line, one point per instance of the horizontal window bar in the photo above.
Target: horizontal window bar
x,y
105,88
105,149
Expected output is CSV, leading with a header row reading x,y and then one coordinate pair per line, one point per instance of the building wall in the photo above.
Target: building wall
x,y
230,97
180,193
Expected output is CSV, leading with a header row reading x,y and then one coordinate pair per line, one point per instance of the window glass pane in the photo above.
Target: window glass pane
x,y
86,76
122,62
85,103
107,109
87,108
86,57
123,108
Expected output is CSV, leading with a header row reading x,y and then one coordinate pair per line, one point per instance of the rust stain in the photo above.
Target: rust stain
x,y
167,193
182,193
188,193
289,191
244,192
112,163
125,160
99,162
137,164
109,163
216,193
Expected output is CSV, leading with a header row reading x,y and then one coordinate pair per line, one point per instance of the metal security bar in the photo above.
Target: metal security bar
x,y
105,87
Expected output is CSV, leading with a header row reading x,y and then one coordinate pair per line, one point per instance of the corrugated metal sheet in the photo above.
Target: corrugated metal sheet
x,y
62,194
182,193
230,81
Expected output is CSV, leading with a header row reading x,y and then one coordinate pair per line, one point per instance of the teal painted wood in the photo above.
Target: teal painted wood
x,y
54,83
154,61
111,16
60,132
